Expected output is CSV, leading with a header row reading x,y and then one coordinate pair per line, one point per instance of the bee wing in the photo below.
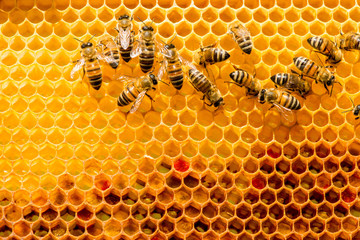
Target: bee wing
x,y
186,62
243,30
108,58
124,35
137,102
285,112
77,67
136,50
126,78
162,69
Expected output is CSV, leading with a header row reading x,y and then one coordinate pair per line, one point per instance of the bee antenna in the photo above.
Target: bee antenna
x,y
352,101
78,40
91,37
142,21
152,20
163,82
163,41
173,38
319,59
347,111
332,87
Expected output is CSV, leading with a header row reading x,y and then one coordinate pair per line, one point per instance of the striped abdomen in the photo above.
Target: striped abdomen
x,y
353,41
243,78
199,81
175,73
307,66
214,55
93,72
322,44
113,53
147,55
128,95
244,43
289,101
125,53
280,78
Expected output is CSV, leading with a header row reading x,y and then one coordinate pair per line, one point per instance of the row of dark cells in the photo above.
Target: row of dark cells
x,y
145,46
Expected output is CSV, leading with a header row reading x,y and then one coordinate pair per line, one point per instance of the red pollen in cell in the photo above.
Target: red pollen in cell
x,y
181,165
348,196
104,184
273,154
258,183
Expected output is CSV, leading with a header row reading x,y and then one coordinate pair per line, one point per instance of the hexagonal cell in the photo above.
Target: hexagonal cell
x,y
191,180
210,210
333,195
218,226
316,196
331,165
339,180
31,214
148,227
208,179
275,181
49,213
192,210
348,195
267,197
129,197
234,196
283,196
217,195
315,166
157,181
252,226
139,212
227,211
95,228
58,228
57,197
292,211
166,196
131,227
350,224
323,180
94,197
259,211
148,196
183,195
250,165
259,181
202,225
251,196
291,181
347,165
40,229
317,225
103,213
307,182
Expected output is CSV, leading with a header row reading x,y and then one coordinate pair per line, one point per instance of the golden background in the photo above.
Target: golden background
x,y
73,165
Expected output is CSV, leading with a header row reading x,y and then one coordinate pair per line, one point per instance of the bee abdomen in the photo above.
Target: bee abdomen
x,y
300,62
239,76
315,42
199,80
95,76
245,44
125,54
220,55
280,78
291,102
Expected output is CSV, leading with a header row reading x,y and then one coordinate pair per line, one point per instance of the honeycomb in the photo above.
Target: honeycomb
x,y
74,166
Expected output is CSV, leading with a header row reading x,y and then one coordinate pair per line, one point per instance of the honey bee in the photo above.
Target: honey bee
x,y
89,61
109,50
210,55
202,84
244,79
293,82
327,48
319,73
172,65
125,38
241,36
348,41
355,110
282,100
136,90
145,47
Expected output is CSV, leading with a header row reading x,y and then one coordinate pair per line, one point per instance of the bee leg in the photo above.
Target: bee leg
x,y
149,97
271,107
83,73
357,118
202,98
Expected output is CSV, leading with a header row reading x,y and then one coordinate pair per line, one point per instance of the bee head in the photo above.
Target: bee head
x,y
330,81
169,46
357,110
219,102
262,96
147,28
125,16
153,79
83,45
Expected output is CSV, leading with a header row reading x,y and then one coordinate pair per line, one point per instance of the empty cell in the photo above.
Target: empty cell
x,y
166,226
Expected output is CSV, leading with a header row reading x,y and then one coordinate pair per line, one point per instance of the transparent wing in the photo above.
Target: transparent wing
x,y
126,78
137,102
136,50
77,67
106,58
186,62
162,69
124,35
242,30
285,112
